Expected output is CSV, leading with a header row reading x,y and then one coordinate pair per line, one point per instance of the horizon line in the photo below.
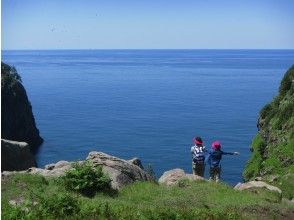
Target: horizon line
x,y
149,49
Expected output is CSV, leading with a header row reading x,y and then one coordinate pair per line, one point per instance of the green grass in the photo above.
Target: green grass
x,y
255,163
50,199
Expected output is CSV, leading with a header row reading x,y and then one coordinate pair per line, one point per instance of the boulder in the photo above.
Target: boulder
x,y
256,184
16,156
52,170
120,171
172,177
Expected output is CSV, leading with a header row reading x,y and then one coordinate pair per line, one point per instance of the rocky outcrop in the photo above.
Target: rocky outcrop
x,y
256,184
121,172
172,177
17,122
16,155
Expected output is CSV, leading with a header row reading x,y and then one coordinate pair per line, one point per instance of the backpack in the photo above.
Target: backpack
x,y
198,155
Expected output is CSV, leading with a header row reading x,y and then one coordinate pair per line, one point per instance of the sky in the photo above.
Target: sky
x,y
150,24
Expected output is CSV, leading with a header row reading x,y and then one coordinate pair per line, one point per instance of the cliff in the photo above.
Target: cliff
x,y
273,147
16,156
18,121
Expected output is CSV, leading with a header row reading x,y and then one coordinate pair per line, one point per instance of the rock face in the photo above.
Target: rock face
x,y
172,177
16,155
120,171
256,184
17,122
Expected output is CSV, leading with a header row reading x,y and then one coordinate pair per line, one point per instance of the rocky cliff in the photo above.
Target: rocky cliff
x,y
273,147
16,155
18,122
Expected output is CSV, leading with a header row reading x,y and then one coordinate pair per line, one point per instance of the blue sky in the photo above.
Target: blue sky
x,y
134,24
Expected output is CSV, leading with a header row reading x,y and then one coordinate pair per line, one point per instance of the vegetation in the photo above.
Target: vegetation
x,y
273,146
9,75
41,198
85,179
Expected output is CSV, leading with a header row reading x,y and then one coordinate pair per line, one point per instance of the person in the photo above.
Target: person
x,y
198,157
214,158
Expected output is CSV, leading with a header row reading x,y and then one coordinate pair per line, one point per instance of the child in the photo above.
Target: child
x,y
214,158
198,157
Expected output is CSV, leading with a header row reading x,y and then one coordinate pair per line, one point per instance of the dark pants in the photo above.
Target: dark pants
x,y
198,169
215,173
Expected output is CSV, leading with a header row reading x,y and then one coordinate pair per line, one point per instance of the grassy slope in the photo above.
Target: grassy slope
x,y
273,146
142,200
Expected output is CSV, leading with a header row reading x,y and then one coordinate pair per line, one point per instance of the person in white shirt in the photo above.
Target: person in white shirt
x,y
198,157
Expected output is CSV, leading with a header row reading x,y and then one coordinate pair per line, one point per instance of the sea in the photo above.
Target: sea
x,y
149,103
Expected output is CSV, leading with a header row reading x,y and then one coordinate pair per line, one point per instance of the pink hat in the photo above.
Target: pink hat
x,y
216,145
197,140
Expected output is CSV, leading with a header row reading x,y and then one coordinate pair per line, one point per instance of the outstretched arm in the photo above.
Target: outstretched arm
x,y
231,153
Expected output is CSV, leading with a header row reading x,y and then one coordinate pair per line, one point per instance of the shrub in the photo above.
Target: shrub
x,y
86,179
287,81
150,171
265,111
254,165
58,205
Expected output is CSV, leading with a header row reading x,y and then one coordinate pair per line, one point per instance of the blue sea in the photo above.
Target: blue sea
x,y
149,103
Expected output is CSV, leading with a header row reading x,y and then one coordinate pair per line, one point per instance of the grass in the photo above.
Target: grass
x,y
50,199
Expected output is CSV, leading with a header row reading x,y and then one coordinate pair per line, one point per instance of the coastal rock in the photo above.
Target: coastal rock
x,y
18,121
136,161
120,171
172,177
256,184
16,156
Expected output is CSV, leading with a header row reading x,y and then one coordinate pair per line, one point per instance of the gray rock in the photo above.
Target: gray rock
x,y
257,184
136,161
52,170
120,171
272,178
288,202
16,156
258,178
58,165
172,177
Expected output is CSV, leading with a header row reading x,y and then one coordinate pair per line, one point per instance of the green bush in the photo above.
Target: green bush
x,y
58,205
265,111
254,165
150,171
86,179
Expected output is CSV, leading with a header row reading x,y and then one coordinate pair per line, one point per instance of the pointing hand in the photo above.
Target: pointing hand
x,y
236,153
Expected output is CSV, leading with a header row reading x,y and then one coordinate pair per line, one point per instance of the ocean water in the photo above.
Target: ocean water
x,y
149,103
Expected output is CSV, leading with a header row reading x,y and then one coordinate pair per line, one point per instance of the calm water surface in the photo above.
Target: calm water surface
x,y
149,103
